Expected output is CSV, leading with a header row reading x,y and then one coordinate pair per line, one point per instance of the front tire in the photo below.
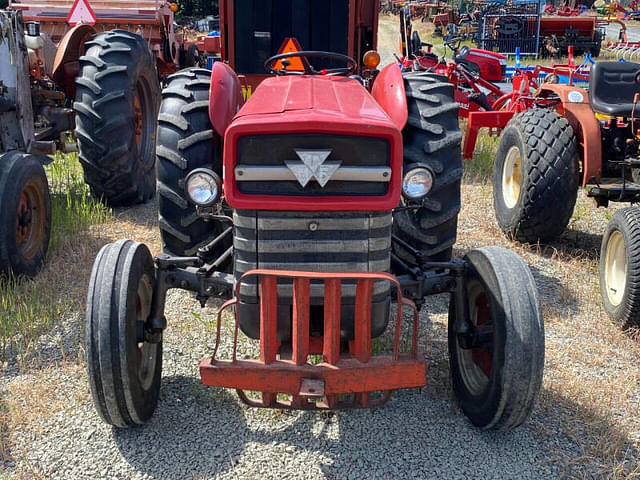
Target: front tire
x,y
25,214
497,368
117,98
535,180
620,267
124,370
431,138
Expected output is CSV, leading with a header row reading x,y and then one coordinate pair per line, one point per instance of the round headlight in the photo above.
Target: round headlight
x,y
203,187
417,183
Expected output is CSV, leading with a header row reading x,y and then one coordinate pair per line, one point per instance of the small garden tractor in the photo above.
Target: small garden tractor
x,y
330,193
571,137
98,85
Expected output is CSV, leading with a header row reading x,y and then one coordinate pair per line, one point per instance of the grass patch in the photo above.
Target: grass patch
x,y
480,167
72,207
28,308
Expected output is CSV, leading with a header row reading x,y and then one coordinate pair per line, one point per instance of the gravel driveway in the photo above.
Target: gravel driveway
x,y
202,432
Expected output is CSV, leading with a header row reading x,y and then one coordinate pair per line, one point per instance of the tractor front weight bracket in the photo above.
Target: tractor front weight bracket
x,y
285,378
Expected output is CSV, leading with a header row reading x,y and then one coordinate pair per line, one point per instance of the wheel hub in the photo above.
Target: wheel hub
x,y
476,361
24,219
30,220
146,352
615,274
512,177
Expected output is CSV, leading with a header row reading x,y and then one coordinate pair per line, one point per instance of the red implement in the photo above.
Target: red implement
x,y
341,380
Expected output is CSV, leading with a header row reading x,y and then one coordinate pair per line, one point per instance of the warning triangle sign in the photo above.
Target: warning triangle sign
x,y
290,45
81,12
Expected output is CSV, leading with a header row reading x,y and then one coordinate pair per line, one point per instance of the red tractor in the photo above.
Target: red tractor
x,y
328,195
418,56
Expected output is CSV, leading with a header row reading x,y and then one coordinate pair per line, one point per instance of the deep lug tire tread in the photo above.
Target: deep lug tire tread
x,y
104,106
186,141
550,176
432,137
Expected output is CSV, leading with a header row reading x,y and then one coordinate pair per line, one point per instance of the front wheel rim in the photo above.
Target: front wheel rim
x,y
30,220
615,268
476,364
146,352
512,177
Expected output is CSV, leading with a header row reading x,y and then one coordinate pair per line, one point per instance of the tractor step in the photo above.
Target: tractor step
x,y
353,379
615,190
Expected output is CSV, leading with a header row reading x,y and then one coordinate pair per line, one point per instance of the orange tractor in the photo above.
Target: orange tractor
x,y
311,207
94,89
569,138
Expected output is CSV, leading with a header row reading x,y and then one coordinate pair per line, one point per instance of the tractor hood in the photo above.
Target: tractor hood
x,y
338,98
320,114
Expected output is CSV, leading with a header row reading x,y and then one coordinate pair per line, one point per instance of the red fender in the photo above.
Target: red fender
x,y
225,97
66,66
586,128
388,90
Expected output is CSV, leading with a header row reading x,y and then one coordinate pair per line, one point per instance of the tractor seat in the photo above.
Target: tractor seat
x,y
612,87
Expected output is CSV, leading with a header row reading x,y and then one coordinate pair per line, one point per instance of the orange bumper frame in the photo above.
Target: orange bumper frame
x,y
340,380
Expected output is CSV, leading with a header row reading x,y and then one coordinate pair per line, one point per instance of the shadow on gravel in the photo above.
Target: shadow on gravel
x,y
574,244
202,432
145,214
555,294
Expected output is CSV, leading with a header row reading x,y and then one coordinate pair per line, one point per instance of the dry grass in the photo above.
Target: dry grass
x,y
29,308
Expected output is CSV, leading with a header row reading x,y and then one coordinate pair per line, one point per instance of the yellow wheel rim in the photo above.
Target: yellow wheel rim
x,y
512,177
615,264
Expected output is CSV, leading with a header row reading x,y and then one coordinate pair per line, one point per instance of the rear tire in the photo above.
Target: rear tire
x,y
535,180
620,267
117,98
124,371
186,141
497,382
431,138
25,214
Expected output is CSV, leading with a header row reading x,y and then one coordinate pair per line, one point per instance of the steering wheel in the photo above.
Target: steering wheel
x,y
308,68
454,43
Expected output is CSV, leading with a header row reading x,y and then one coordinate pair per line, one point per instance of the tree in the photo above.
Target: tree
x,y
196,8
3,3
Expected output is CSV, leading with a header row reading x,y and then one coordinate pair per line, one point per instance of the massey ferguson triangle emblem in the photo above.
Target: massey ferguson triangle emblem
x,y
313,165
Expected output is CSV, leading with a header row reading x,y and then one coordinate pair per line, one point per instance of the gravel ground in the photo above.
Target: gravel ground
x,y
585,424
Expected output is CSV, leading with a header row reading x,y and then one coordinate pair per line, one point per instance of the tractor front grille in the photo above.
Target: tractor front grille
x,y
311,241
314,242
263,165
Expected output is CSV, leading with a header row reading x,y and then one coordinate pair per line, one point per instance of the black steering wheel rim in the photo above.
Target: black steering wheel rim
x,y
308,68
454,43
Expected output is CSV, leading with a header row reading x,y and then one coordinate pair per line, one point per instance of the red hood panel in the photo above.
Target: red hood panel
x,y
340,96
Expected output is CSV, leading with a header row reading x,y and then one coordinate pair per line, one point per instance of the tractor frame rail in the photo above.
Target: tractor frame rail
x,y
355,379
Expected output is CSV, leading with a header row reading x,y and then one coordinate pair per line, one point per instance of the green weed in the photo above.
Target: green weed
x,y
480,167
72,207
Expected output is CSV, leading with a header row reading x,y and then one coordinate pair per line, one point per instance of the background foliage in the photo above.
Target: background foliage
x,y
195,8
3,3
